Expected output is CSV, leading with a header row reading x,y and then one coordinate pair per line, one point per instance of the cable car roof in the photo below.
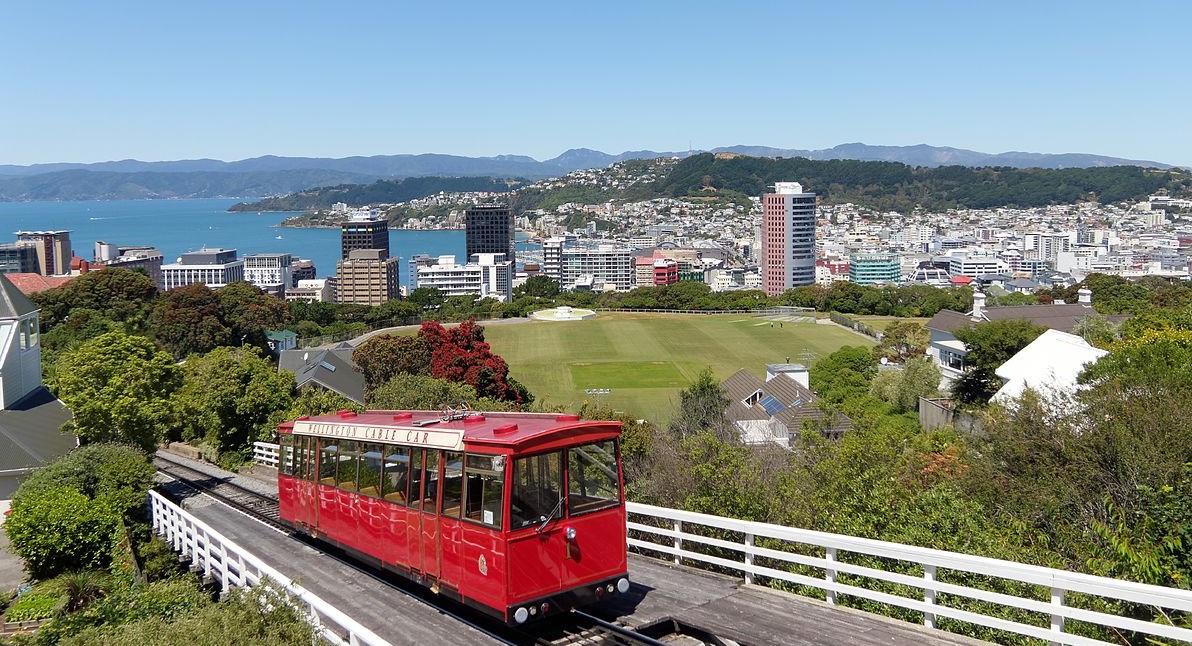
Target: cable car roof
x,y
449,430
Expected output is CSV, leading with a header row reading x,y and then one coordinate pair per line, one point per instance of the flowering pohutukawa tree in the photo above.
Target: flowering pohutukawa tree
x,y
461,355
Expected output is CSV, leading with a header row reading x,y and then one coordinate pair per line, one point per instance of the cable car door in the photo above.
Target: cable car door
x,y
428,520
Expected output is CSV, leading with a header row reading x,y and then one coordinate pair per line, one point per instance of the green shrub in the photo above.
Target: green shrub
x,y
247,617
35,606
162,600
159,560
59,529
117,473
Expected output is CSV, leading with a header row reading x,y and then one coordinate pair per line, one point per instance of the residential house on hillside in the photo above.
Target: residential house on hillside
x,y
329,368
948,352
31,417
1050,365
774,411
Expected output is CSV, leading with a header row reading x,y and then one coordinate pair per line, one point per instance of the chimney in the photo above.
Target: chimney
x,y
1085,297
978,306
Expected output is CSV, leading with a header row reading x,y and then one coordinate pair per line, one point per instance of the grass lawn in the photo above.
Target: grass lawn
x,y
646,359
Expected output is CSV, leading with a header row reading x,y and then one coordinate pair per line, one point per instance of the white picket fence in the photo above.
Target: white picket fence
x,y
689,538
233,566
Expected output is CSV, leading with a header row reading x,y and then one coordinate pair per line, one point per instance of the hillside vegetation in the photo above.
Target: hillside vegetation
x,y
379,192
895,186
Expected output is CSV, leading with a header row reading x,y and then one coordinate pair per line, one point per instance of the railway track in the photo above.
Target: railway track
x,y
576,629
255,504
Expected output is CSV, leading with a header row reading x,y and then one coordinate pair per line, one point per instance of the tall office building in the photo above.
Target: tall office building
x,y
53,250
788,238
18,259
366,277
489,229
364,230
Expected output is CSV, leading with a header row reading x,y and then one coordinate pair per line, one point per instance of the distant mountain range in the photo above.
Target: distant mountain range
x,y
272,175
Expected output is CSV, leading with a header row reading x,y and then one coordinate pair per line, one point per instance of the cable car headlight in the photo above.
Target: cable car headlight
x,y
521,615
622,585
569,533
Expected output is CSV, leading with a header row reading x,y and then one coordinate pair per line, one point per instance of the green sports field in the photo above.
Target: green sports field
x,y
646,359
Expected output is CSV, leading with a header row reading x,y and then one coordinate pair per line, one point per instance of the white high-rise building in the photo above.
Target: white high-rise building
x,y
603,267
269,271
788,238
489,275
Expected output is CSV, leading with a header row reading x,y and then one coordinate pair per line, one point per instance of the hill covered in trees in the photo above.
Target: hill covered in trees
x,y
382,191
896,186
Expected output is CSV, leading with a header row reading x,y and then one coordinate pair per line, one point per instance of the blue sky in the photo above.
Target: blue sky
x,y
93,81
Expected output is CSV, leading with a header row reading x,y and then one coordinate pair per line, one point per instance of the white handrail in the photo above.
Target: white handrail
x,y
233,566
762,548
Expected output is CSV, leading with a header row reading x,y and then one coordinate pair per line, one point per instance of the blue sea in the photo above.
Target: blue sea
x,y
175,226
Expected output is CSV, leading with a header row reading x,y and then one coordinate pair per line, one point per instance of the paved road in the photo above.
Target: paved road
x,y
12,572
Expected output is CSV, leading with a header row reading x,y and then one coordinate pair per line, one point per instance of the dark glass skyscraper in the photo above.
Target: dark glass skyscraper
x,y
364,232
489,229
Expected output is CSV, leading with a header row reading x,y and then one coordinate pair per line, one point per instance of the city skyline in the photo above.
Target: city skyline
x,y
164,82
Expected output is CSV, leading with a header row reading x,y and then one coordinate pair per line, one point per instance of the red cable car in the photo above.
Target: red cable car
x,y
519,514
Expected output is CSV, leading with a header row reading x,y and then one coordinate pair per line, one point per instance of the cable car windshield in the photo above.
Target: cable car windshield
x,y
537,490
593,481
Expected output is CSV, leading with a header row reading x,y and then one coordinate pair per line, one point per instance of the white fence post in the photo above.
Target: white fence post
x,y
678,541
830,573
748,558
929,594
1057,620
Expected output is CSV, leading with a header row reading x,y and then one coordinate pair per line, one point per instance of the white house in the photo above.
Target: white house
x,y
1050,365
30,417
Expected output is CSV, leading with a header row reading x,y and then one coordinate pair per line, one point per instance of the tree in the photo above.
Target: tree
x,y
118,387
989,346
421,392
123,295
248,312
316,400
426,297
902,340
461,355
902,388
229,398
540,286
118,474
701,408
188,320
385,355
843,374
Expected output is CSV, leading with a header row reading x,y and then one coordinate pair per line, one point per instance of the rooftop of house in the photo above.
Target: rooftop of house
x,y
781,399
34,283
29,431
331,368
1050,363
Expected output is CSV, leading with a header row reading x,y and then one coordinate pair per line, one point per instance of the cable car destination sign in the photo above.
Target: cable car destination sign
x,y
450,439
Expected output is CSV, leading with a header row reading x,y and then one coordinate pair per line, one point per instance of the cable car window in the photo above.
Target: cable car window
x,y
285,456
593,482
306,457
370,470
327,456
396,476
485,485
537,490
453,484
429,482
348,460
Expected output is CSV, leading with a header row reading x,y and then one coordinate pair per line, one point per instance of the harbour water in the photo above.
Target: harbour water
x,y
176,226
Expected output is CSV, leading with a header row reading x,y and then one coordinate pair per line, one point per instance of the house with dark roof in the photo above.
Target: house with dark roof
x,y
329,368
948,352
775,410
30,417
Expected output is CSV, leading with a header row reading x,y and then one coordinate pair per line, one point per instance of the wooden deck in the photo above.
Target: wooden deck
x,y
757,616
